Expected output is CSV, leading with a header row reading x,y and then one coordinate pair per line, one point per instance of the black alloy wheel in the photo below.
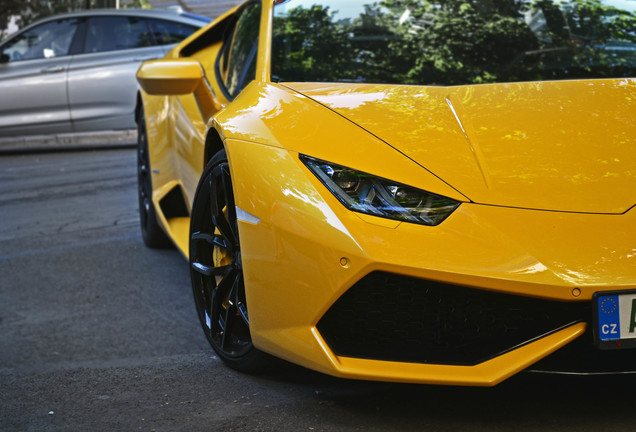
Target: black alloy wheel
x,y
217,271
151,232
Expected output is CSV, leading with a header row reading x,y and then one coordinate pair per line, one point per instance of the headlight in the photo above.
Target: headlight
x,y
376,196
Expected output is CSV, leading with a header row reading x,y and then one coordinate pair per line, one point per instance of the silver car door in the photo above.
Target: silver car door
x,y
33,97
101,81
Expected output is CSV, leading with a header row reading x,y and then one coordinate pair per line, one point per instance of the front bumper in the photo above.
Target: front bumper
x,y
308,254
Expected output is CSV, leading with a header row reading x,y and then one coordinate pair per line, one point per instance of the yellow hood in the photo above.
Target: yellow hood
x,y
561,146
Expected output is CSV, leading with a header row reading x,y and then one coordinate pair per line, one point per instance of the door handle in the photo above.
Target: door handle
x,y
52,69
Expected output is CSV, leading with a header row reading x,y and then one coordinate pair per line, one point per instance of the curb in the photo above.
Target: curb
x,y
68,142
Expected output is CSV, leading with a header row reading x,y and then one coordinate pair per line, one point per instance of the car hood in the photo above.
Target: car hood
x,y
560,146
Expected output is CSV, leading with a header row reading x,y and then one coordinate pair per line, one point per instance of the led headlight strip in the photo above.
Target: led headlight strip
x,y
377,196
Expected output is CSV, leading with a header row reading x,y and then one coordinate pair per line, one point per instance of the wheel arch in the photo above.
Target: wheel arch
x,y
214,142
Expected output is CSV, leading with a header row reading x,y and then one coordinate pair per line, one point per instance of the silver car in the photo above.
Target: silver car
x,y
76,72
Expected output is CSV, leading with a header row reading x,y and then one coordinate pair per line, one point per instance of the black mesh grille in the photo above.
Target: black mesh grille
x,y
398,318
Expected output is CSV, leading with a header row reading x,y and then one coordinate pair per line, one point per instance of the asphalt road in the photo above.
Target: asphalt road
x,y
98,333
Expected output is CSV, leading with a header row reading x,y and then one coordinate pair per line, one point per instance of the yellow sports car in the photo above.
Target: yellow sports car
x,y
405,190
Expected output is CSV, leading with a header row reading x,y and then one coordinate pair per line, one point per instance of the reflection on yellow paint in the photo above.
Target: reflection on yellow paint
x,y
540,144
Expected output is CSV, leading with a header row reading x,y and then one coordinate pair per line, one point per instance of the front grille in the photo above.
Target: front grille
x,y
398,318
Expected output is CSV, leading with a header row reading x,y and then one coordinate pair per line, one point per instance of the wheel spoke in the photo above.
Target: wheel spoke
x,y
214,205
217,195
199,236
224,228
195,238
230,314
216,240
202,268
230,207
241,304
206,292
209,270
218,297
216,302
243,312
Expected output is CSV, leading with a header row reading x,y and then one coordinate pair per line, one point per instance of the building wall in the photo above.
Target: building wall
x,y
209,8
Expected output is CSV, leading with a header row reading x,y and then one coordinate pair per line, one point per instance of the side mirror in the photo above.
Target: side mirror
x,y
170,77
178,77
4,58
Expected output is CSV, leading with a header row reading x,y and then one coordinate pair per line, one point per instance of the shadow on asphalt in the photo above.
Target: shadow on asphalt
x,y
579,400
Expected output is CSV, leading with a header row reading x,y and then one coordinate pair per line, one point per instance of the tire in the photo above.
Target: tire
x,y
151,232
216,270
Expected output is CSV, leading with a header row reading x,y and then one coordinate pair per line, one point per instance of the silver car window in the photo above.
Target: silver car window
x,y
169,32
51,39
116,33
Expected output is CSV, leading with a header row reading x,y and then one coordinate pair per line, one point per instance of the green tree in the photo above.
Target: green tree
x,y
313,45
454,42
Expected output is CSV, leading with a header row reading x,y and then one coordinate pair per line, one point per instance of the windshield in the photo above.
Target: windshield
x,y
452,42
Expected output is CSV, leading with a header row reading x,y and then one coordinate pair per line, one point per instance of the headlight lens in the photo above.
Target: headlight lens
x,y
377,196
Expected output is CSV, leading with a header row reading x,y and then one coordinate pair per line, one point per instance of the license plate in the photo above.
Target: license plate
x,y
615,323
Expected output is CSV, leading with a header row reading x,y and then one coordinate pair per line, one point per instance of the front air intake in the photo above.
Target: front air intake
x,y
397,318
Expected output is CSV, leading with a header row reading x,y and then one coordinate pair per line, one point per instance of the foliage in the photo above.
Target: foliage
x,y
456,42
312,44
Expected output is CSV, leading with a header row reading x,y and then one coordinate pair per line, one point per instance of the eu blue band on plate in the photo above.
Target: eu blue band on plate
x,y
609,327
